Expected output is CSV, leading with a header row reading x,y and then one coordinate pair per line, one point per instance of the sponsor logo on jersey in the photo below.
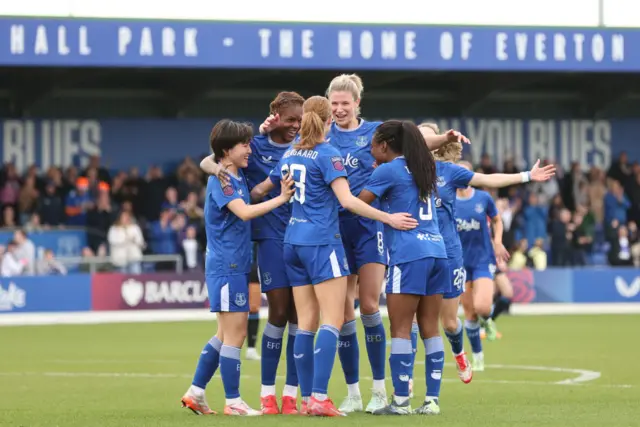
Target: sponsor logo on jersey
x,y
438,202
337,163
362,141
351,161
441,182
227,190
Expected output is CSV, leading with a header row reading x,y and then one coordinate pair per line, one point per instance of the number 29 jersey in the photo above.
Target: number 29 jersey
x,y
314,217
394,185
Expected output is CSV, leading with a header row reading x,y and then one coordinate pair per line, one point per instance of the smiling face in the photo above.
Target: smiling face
x,y
343,107
290,120
239,154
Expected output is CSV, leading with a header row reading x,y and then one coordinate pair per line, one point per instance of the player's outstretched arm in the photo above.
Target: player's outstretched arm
x,y
399,221
248,212
499,180
436,141
259,191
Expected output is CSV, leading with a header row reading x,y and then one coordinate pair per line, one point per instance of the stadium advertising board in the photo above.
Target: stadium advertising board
x,y
72,142
64,243
198,44
574,13
45,293
114,291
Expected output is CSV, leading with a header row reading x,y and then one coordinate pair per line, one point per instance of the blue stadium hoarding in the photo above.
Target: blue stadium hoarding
x,y
196,44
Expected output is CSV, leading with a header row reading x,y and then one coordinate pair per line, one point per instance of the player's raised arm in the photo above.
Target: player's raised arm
x,y
399,221
435,140
248,212
499,180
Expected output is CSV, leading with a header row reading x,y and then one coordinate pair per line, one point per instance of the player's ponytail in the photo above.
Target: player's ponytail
x,y
419,160
316,114
405,138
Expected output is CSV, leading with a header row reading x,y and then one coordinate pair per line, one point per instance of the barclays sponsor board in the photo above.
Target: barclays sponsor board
x,y
127,143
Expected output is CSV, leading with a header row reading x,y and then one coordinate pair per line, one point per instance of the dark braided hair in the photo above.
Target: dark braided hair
x,y
404,137
283,100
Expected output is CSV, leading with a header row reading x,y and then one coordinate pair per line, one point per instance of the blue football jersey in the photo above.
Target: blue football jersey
x,y
450,178
228,237
265,155
314,217
393,184
475,236
355,148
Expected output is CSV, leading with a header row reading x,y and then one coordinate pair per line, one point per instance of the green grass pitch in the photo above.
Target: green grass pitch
x,y
114,375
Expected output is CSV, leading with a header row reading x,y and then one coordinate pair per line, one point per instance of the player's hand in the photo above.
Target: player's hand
x,y
502,255
287,187
455,136
221,172
542,174
502,266
270,123
402,221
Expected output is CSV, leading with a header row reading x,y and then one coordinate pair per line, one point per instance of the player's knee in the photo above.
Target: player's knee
x,y
278,315
483,307
369,304
450,323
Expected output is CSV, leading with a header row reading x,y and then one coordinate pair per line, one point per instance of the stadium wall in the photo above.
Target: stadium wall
x,y
84,298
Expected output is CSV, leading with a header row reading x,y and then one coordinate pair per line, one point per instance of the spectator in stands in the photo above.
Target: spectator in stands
x,y
546,191
70,180
163,237
10,187
582,238
153,194
508,167
519,258
33,224
634,196
118,189
94,183
620,170
571,187
25,250
190,249
535,216
9,217
103,173
171,201
49,266
132,188
634,237
616,205
538,256
126,244
188,184
597,191
560,240
486,165
50,206
11,264
620,252
100,218
78,203
27,199
191,209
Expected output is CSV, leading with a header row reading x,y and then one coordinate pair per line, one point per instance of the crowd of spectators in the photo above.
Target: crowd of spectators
x,y
127,215
574,219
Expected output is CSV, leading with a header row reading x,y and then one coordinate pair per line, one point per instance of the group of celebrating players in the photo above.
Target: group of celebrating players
x,y
331,200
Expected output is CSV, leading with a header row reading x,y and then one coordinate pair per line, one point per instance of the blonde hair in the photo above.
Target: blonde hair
x,y
450,152
466,165
351,83
316,111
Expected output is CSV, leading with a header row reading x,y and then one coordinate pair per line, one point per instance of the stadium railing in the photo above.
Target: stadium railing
x,y
96,261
